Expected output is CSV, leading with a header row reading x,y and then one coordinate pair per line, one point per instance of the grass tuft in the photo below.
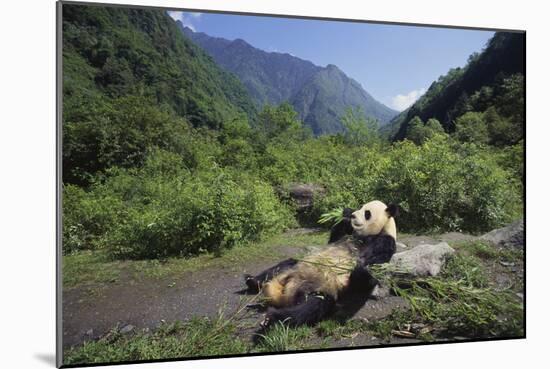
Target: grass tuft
x,y
281,337
457,302
176,340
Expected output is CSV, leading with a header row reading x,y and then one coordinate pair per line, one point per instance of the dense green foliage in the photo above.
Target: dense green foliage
x,y
222,191
492,84
418,132
113,52
359,129
319,95
160,158
165,209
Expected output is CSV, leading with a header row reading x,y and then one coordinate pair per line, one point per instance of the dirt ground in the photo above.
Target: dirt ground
x,y
90,312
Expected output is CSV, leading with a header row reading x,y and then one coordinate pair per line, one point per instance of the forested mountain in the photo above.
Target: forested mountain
x,y
319,95
116,59
324,99
490,88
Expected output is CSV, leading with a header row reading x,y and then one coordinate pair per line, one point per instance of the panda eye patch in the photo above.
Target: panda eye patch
x,y
367,214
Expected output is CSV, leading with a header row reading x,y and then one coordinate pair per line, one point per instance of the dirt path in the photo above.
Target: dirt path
x,y
147,303
90,312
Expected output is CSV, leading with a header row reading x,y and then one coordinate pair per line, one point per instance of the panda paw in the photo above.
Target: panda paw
x,y
251,283
266,323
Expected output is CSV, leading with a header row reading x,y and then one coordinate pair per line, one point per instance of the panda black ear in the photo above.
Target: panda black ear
x,y
392,210
347,212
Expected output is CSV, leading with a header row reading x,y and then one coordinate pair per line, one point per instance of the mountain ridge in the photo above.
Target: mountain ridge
x,y
275,77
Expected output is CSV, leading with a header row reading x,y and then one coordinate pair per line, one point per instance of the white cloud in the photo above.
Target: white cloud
x,y
402,102
188,19
175,15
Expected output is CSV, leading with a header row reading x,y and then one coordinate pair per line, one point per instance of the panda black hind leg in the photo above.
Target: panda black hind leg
x,y
255,283
314,308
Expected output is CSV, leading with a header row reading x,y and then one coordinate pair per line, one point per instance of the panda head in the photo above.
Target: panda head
x,y
374,218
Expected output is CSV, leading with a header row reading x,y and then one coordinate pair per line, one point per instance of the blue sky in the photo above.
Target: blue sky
x,y
395,64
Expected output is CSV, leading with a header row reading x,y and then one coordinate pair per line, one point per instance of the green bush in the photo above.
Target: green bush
x,y
87,216
163,209
471,127
443,185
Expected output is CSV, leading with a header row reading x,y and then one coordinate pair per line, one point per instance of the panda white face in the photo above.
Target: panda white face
x,y
373,218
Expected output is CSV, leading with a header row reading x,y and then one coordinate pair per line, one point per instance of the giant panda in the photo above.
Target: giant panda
x,y
306,291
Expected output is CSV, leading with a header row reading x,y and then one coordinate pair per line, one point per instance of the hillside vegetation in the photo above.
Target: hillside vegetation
x,y
118,59
482,102
165,155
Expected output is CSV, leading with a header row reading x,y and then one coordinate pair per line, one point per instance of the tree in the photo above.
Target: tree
x,y
471,127
359,129
434,127
415,131
274,120
501,130
419,132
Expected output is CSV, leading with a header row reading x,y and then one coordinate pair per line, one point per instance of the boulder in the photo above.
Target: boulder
x,y
423,260
400,246
303,194
512,236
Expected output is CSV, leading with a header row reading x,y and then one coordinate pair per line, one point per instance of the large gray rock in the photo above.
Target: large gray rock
x,y
512,235
303,194
423,260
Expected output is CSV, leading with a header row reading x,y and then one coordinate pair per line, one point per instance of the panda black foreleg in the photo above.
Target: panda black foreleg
x,y
315,307
343,228
255,283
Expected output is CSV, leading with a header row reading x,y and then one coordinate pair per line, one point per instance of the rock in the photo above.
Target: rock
x,y
380,292
400,246
512,236
423,260
450,237
90,332
303,194
127,329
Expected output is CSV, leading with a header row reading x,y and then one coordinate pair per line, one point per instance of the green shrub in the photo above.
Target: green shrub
x,y
445,186
163,209
471,127
442,185
87,216
204,213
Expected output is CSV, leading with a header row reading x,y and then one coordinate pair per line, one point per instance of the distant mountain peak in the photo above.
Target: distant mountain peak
x,y
240,41
319,95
